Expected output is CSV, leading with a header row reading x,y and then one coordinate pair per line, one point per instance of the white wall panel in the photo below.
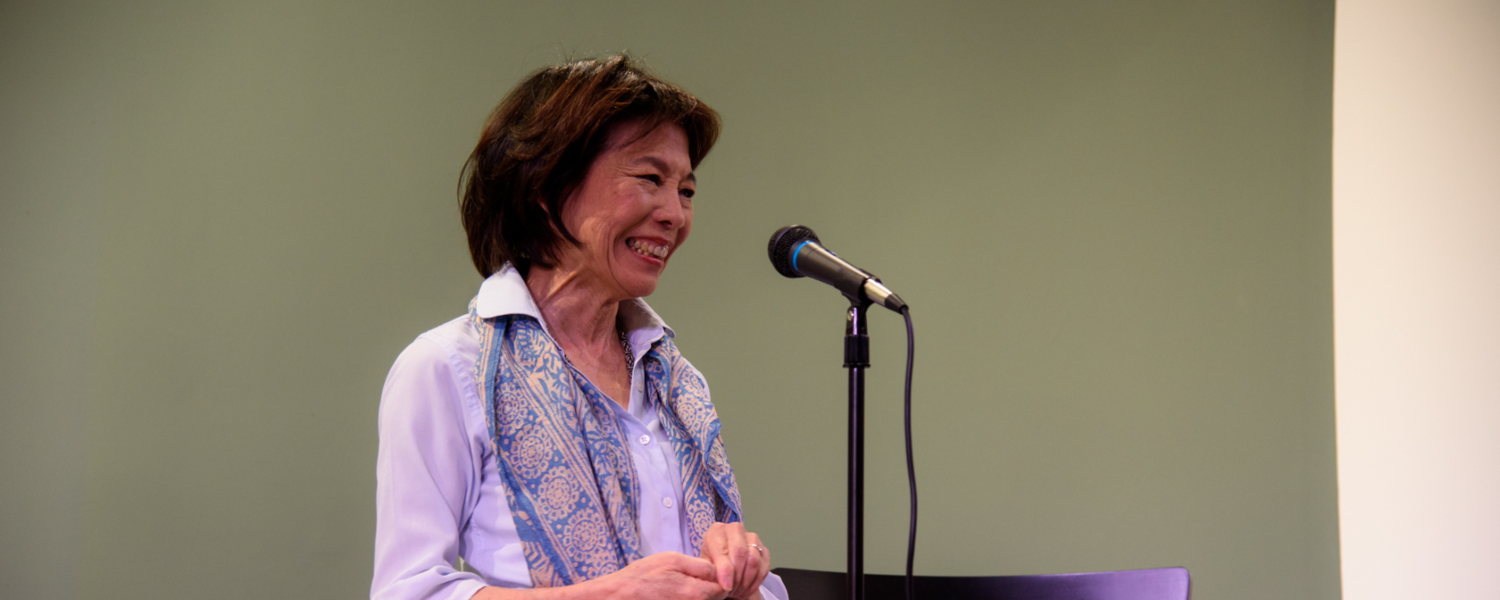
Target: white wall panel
x,y
1417,296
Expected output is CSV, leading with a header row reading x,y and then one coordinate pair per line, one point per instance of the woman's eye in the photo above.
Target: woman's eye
x,y
687,193
654,179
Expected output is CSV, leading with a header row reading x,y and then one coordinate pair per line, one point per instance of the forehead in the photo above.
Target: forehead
x,y
630,141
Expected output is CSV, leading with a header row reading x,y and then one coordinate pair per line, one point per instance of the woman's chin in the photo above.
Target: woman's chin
x,y
641,289
641,275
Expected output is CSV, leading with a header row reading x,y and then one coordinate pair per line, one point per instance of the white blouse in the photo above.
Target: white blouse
x,y
438,495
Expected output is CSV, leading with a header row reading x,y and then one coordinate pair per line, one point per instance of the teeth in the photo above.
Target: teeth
x,y
648,249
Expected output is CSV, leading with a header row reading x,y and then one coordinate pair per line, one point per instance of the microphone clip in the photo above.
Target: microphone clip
x,y
857,335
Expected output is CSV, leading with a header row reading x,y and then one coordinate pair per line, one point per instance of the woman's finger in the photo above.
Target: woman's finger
x,y
739,548
697,568
747,583
763,556
716,550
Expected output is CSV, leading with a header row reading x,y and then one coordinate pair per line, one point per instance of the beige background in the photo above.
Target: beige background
x,y
1417,255
222,221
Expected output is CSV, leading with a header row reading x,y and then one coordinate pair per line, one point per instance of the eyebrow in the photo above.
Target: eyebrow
x,y
662,166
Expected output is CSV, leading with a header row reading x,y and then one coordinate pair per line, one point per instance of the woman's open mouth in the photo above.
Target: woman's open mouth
x,y
648,249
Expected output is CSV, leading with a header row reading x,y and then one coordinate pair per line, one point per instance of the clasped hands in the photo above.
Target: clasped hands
x,y
739,560
733,564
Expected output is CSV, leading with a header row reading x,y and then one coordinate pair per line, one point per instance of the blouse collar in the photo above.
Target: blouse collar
x,y
505,293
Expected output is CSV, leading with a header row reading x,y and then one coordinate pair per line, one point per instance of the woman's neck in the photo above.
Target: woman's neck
x,y
577,314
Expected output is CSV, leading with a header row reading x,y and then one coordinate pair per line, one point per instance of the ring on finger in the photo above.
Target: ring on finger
x,y
758,548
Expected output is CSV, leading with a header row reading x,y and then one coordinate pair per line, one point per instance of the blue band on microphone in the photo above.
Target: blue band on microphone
x,y
796,251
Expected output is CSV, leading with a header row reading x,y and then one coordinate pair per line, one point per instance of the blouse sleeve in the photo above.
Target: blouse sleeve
x,y
425,473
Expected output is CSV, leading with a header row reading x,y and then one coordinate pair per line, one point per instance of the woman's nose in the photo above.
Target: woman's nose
x,y
670,210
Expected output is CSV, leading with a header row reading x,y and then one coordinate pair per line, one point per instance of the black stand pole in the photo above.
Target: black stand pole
x,y
857,359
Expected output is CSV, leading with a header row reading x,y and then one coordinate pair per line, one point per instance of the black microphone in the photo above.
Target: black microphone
x,y
796,252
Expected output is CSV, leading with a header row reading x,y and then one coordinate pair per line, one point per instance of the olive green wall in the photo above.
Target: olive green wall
x,y
222,221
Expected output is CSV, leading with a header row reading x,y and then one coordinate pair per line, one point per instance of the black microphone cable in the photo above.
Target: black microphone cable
x,y
911,467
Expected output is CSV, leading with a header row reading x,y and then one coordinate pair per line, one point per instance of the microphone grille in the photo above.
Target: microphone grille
x,y
783,242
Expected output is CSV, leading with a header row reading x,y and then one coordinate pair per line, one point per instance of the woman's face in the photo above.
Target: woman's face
x,y
633,209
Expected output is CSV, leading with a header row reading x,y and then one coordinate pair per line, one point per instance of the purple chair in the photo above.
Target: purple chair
x,y
1170,583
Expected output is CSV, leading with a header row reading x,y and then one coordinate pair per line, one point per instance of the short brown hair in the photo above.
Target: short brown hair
x,y
538,144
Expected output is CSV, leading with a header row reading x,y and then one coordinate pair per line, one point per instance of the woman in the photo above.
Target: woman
x,y
554,438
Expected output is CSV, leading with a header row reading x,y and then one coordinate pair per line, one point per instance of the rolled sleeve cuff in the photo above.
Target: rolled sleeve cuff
x,y
773,588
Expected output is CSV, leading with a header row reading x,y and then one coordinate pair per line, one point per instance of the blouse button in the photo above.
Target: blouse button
x,y
667,502
645,439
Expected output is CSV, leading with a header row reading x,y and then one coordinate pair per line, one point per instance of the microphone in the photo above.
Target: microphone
x,y
796,252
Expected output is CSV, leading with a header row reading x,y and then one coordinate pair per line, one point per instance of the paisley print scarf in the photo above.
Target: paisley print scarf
x,y
563,459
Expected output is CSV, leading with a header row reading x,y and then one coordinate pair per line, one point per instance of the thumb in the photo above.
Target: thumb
x,y
696,567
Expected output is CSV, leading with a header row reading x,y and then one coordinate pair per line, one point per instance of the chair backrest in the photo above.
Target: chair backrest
x,y
1170,583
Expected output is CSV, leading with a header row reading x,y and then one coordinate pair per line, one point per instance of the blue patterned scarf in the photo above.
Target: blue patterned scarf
x,y
563,458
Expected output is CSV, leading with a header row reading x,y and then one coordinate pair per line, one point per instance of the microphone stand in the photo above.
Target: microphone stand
x,y
856,359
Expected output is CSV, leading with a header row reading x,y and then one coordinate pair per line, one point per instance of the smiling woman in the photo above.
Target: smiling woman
x,y
539,142
554,437
632,210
